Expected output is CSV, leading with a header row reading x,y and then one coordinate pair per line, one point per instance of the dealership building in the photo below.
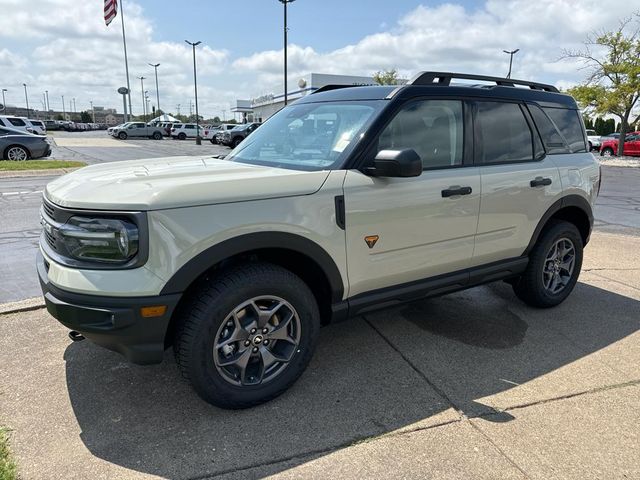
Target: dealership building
x,y
260,108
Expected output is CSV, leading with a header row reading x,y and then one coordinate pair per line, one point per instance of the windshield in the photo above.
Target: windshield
x,y
311,136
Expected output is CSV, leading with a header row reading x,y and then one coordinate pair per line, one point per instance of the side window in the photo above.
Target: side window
x,y
17,122
506,136
189,126
433,128
553,141
569,124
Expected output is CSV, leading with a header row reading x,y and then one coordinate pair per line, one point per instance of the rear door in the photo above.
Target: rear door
x,y
519,181
632,145
401,230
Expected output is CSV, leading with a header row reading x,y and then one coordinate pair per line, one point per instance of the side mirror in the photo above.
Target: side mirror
x,y
396,163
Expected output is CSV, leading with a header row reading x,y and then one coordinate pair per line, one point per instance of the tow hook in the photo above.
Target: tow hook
x,y
76,336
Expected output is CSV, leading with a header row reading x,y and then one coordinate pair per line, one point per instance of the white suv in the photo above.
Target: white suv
x,y
182,131
350,199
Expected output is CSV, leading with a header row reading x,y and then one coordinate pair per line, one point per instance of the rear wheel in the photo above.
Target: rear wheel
x,y
182,136
235,142
213,142
157,136
16,153
554,266
607,152
246,335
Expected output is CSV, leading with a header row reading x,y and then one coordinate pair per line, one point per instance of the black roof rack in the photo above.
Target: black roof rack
x,y
444,79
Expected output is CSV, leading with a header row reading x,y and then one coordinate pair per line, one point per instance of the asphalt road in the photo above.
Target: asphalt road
x,y
618,208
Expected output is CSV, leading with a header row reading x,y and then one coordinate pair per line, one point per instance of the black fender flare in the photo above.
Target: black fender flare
x,y
567,201
206,259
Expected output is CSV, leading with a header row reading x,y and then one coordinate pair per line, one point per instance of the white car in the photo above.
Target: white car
x,y
594,140
182,131
349,199
19,123
38,126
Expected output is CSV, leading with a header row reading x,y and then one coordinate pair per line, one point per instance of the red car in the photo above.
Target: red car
x,y
631,146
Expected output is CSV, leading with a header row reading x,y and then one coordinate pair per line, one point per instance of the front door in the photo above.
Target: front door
x,y
400,230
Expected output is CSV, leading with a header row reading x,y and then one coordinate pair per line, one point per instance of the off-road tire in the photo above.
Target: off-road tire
x,y
205,309
529,286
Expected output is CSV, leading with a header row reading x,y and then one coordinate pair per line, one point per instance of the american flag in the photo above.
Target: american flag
x,y
110,10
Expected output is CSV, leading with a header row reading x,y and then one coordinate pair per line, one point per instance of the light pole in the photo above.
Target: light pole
x,y
144,108
178,107
195,86
46,92
64,113
4,101
93,112
146,103
285,2
26,97
511,54
155,67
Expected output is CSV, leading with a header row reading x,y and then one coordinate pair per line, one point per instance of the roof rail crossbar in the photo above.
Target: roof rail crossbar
x,y
327,88
444,78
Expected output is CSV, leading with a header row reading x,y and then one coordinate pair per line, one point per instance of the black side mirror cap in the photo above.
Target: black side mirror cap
x,y
396,163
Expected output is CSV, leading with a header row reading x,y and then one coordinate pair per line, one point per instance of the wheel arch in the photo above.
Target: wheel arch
x,y
302,256
571,208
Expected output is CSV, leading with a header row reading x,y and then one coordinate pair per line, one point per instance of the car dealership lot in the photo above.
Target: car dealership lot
x,y
474,384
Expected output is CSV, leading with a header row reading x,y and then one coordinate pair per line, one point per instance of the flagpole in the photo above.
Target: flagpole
x,y
126,61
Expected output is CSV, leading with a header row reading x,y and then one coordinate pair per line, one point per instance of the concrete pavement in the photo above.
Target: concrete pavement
x,y
471,385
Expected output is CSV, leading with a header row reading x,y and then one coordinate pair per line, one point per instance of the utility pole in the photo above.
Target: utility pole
x,y
195,86
75,111
144,108
511,54
48,106
93,112
285,2
155,67
26,97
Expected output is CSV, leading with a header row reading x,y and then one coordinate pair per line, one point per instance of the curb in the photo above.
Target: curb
x,y
37,173
27,305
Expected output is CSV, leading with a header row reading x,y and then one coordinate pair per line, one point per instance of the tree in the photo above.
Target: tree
x,y
85,117
386,77
59,117
613,83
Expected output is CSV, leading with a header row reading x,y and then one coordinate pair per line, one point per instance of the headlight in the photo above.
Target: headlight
x,y
100,239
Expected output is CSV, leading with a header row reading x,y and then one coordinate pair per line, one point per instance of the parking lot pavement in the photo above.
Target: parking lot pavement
x,y
98,147
471,385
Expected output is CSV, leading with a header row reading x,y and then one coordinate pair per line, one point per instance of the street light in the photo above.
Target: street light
x,y
4,101
144,108
285,2
195,86
26,97
511,54
93,112
155,67
64,113
48,107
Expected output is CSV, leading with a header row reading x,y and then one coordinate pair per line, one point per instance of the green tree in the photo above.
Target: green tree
x,y
85,117
588,123
613,83
386,77
59,117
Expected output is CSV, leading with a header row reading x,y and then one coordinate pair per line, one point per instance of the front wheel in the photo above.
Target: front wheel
x,y
554,266
607,152
235,142
213,142
122,135
182,136
246,335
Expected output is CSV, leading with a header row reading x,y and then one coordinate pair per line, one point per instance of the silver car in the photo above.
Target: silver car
x,y
137,129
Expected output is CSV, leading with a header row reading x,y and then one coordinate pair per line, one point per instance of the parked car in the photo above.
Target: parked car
x,y
220,133
232,138
611,136
182,131
166,128
52,125
111,130
236,263
137,130
631,145
594,140
19,145
211,134
18,123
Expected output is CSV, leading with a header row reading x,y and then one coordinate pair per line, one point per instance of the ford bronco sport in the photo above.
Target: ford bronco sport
x,y
350,199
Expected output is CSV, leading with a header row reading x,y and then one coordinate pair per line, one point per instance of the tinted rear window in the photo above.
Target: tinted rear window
x,y
553,141
17,122
570,126
506,136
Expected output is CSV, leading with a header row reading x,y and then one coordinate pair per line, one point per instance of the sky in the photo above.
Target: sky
x,y
63,46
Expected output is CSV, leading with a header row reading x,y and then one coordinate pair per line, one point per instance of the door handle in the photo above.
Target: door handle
x,y
539,182
456,190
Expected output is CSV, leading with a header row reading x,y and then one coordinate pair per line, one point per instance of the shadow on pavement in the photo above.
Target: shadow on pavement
x,y
362,382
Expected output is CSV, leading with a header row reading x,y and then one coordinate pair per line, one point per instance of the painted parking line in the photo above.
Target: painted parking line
x,y
30,192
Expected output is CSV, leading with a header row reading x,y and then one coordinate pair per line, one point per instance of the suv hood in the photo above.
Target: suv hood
x,y
174,182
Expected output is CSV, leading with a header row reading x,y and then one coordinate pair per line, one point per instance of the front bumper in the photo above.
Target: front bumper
x,y
111,322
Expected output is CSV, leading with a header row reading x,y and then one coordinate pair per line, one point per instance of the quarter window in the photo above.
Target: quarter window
x,y
553,141
433,128
569,124
506,136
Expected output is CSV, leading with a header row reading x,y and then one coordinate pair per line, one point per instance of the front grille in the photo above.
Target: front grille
x,y
50,240
49,210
